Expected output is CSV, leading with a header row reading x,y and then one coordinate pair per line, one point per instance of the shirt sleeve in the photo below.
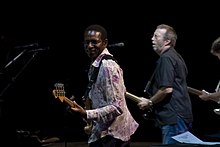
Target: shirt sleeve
x,y
108,93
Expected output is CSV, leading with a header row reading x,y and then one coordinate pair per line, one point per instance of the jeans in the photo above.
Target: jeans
x,y
171,130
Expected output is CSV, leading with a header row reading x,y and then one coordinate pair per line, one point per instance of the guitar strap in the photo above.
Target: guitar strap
x,y
94,76
148,115
146,89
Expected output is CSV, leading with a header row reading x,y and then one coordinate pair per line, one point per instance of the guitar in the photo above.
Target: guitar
x,y
59,92
194,91
199,92
148,114
133,97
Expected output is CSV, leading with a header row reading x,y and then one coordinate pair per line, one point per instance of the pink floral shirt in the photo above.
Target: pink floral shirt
x,y
109,112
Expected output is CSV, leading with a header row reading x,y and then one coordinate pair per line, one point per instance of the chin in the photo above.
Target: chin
x,y
93,57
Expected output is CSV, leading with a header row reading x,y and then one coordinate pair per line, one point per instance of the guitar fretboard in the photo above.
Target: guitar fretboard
x,y
194,91
132,97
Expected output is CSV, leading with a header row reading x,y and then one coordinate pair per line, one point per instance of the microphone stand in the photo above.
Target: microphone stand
x,y
13,79
8,64
3,129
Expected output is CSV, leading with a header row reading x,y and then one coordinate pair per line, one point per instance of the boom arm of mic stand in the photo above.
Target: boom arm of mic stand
x,y
13,79
9,63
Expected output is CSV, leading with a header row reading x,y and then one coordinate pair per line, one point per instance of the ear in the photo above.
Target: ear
x,y
167,42
105,42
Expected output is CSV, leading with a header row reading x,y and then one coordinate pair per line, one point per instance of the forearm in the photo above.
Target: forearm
x,y
160,95
108,112
156,98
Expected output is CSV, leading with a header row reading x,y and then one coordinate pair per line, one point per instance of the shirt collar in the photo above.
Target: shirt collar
x,y
98,59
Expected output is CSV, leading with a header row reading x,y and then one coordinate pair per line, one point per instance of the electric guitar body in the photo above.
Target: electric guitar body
x,y
148,113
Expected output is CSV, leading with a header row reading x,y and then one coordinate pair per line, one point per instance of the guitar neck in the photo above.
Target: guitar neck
x,y
194,91
132,97
69,102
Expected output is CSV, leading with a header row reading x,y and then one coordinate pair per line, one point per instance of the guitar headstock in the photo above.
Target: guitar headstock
x,y
59,91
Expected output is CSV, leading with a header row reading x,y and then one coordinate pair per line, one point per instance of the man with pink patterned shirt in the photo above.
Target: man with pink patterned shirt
x,y
112,122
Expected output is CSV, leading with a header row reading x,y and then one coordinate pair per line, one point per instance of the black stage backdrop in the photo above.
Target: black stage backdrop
x,y
41,44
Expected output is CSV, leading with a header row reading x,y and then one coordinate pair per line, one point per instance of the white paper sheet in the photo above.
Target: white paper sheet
x,y
189,138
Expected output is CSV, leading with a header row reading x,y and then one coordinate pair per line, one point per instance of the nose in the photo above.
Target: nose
x,y
152,38
90,43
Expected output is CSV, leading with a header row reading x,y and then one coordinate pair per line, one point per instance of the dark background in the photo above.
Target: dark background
x,y
27,84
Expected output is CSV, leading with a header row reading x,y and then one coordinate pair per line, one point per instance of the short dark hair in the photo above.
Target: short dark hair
x,y
97,28
215,48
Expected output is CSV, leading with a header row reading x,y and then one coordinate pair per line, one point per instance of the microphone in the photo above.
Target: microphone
x,y
28,45
39,49
121,44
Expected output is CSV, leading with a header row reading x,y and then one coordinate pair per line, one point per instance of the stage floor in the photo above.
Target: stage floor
x,y
84,144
